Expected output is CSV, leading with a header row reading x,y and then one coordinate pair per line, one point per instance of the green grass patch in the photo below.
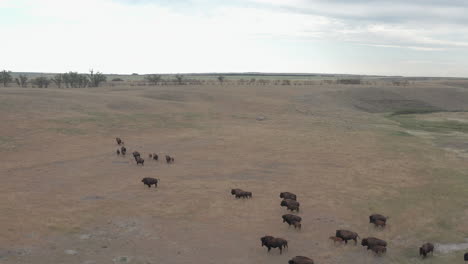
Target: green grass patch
x,y
411,122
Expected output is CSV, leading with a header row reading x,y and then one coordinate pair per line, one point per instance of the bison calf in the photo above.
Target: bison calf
x,y
150,181
336,239
426,249
347,235
288,195
301,260
272,242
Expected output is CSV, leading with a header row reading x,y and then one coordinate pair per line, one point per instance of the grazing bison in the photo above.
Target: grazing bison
x,y
169,159
426,249
274,242
288,195
290,219
118,152
347,235
123,150
378,249
372,241
465,257
375,217
301,260
290,204
336,239
119,141
155,156
235,191
140,161
150,181
136,154
243,194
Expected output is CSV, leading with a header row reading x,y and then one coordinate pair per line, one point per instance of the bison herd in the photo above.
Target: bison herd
x,y
376,245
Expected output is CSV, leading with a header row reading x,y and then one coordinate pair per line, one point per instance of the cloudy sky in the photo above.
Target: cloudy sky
x,y
399,37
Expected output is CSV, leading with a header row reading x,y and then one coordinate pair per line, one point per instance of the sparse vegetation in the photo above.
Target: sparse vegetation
x,y
58,79
179,78
96,78
5,77
22,80
117,80
41,82
153,78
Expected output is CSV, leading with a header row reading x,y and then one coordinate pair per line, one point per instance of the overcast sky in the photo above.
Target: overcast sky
x,y
399,37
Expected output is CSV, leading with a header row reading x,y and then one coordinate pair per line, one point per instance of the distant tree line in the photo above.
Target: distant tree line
x,y
62,80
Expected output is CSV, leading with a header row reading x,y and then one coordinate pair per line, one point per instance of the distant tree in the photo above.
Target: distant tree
x,y
153,78
58,80
96,78
5,77
221,79
75,80
179,78
252,81
134,73
41,82
22,80
83,81
286,82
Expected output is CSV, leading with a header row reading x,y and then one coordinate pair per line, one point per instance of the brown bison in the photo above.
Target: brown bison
x,y
140,161
274,242
243,194
123,150
426,249
297,225
118,152
169,159
336,239
155,156
291,205
150,181
288,195
375,217
372,241
235,191
301,260
136,154
291,219
465,257
379,249
347,235
119,141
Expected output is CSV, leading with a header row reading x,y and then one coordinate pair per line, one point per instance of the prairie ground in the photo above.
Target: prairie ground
x,y
347,151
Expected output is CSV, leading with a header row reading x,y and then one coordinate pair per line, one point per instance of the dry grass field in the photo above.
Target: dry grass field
x,y
66,197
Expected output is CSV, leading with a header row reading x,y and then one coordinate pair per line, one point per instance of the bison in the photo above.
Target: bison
x,y
301,260
119,141
297,224
273,242
379,249
426,249
169,159
150,181
123,150
465,257
288,195
155,156
372,241
347,235
118,152
379,223
375,217
235,191
136,154
140,161
290,219
336,239
291,205
243,194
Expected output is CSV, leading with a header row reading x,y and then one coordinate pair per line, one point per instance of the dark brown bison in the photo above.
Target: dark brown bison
x,y
336,239
169,159
465,257
372,241
119,141
297,225
426,249
291,205
118,152
347,235
378,249
150,181
136,154
243,194
375,217
288,195
155,156
140,161
290,219
235,191
123,150
301,260
274,242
